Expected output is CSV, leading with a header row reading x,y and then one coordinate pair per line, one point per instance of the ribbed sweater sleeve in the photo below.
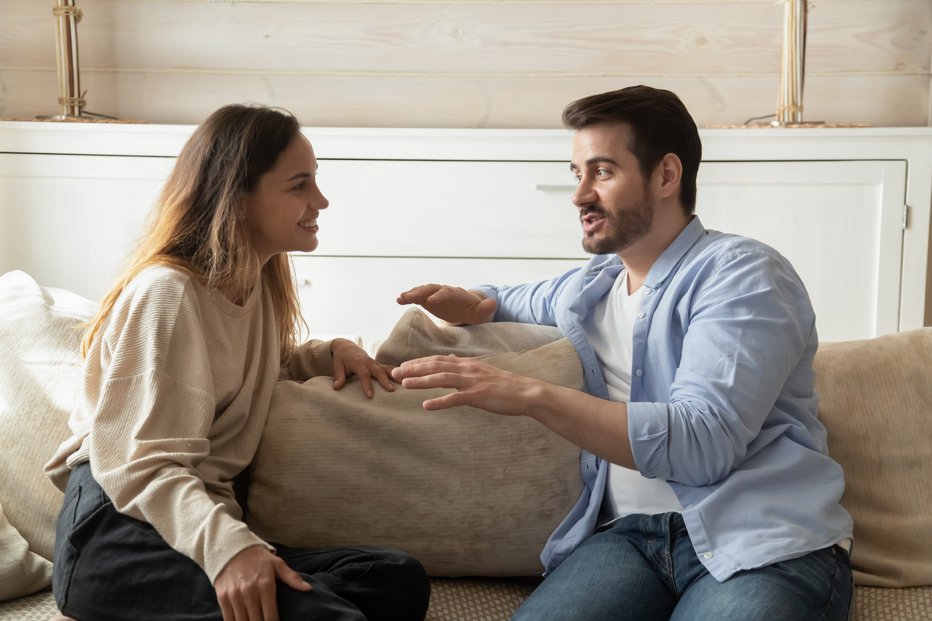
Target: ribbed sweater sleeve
x,y
310,359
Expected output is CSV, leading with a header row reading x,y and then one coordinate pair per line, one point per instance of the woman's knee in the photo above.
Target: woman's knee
x,y
407,583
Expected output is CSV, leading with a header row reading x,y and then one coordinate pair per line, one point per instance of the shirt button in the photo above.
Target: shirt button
x,y
707,555
642,316
639,372
647,291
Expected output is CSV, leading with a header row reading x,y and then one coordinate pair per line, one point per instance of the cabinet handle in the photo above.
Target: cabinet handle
x,y
542,187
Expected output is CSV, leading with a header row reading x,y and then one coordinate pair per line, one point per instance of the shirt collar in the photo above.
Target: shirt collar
x,y
668,260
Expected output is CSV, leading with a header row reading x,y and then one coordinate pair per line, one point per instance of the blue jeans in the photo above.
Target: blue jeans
x,y
111,567
644,568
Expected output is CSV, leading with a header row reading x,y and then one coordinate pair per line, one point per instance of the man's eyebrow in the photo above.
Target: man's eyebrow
x,y
600,159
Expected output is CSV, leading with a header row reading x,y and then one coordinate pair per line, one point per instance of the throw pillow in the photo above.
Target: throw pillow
x,y
39,372
876,402
464,491
21,571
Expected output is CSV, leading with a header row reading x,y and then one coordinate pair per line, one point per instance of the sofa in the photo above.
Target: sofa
x,y
472,495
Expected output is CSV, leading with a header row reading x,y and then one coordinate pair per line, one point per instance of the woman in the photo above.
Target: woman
x,y
180,363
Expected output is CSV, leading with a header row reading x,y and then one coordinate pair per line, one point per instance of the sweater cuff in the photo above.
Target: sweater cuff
x,y
231,545
310,359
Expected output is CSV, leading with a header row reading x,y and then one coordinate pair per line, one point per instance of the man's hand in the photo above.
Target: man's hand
x,y
351,359
477,384
597,425
454,305
246,585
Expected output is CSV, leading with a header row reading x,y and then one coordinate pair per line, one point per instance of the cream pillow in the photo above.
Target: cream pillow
x,y
877,406
21,571
464,491
39,372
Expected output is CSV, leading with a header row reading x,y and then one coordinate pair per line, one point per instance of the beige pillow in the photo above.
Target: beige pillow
x,y
464,491
877,406
21,571
39,371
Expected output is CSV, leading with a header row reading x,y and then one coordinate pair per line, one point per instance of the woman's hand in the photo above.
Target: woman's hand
x,y
246,585
351,359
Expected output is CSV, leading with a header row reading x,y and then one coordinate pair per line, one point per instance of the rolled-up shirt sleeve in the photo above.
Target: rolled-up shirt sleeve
x,y
528,303
747,323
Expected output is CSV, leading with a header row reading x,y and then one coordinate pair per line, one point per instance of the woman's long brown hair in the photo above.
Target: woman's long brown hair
x,y
199,224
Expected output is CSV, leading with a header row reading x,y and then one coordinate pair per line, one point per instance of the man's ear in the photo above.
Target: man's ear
x,y
669,175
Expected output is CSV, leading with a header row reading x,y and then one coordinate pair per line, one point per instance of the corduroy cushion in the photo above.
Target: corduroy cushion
x,y
39,372
877,406
21,571
464,491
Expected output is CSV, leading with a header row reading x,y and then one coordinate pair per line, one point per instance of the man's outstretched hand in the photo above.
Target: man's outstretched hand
x,y
454,305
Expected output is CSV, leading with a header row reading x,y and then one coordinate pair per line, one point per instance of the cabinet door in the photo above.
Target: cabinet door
x,y
448,209
355,296
839,223
70,220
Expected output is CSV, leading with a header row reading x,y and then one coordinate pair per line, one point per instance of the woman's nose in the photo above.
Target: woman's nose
x,y
319,201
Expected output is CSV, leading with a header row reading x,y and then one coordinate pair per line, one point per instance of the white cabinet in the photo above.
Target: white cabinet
x,y
69,220
423,208
392,225
849,208
839,223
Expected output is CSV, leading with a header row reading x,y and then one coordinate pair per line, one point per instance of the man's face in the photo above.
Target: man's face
x,y
615,202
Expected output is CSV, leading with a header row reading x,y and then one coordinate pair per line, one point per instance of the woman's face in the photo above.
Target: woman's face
x,y
281,211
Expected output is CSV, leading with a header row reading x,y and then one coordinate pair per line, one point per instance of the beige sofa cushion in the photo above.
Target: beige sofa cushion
x,y
471,492
21,571
39,372
465,491
877,407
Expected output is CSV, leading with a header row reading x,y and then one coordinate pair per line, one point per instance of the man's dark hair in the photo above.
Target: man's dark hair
x,y
659,123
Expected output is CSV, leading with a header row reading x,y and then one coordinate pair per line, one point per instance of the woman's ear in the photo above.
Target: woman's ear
x,y
670,173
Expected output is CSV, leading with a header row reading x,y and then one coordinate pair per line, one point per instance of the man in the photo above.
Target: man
x,y
709,493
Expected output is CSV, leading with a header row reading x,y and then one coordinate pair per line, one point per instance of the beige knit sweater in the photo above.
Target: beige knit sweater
x,y
175,396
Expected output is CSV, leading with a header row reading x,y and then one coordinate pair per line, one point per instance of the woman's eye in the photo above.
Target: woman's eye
x,y
299,187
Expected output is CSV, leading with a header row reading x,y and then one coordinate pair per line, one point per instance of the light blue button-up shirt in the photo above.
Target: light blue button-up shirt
x,y
722,400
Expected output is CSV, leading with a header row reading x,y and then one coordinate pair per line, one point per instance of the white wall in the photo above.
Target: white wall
x,y
452,63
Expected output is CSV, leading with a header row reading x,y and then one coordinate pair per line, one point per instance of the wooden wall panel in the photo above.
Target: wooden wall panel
x,y
452,102
467,64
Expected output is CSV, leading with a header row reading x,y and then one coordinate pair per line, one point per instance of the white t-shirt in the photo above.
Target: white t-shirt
x,y
610,330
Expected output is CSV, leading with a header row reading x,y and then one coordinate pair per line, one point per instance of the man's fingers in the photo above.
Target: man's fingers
x,y
419,294
486,307
439,379
447,401
421,366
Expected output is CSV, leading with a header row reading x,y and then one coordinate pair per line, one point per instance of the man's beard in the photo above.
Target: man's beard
x,y
624,228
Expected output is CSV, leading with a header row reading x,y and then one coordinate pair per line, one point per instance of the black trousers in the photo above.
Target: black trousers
x,y
111,567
